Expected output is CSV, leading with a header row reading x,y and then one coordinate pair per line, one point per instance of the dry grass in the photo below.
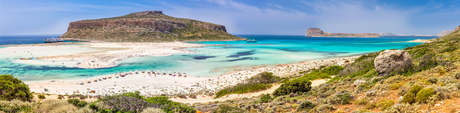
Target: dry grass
x,y
56,106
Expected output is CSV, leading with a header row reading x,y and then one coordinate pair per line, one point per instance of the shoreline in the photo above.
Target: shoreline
x,y
151,85
421,40
93,54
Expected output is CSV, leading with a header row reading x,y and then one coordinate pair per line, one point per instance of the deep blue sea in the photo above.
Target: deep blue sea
x,y
212,60
26,39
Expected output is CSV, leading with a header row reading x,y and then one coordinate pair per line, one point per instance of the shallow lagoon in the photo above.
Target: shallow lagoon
x,y
222,58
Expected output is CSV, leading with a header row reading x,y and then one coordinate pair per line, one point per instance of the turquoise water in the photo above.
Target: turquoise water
x,y
225,57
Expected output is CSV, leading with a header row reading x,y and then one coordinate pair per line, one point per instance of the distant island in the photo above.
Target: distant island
x,y
317,32
147,26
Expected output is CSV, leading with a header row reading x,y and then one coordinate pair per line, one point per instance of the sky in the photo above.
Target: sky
x,y
257,17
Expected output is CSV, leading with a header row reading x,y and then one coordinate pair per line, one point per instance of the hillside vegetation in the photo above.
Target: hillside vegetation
x,y
432,84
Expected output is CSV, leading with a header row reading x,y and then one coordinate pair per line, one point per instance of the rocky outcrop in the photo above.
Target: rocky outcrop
x,y
147,26
392,61
444,33
316,32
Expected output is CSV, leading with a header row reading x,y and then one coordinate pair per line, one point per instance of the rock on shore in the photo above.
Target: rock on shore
x,y
390,61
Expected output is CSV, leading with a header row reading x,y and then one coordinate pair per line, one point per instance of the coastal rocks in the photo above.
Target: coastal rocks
x,y
316,32
390,61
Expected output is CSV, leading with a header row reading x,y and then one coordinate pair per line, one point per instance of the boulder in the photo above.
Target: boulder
x,y
390,61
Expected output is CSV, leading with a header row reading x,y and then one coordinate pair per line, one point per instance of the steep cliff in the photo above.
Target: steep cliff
x,y
316,32
147,26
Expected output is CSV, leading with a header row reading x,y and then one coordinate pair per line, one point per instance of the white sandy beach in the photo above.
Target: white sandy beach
x,y
100,55
151,85
92,54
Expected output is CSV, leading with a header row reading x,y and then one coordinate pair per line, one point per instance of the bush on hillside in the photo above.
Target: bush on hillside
x,y
342,97
77,103
424,94
432,80
385,104
298,85
41,96
415,89
305,106
258,82
223,108
324,108
332,70
266,98
13,88
170,106
120,103
409,98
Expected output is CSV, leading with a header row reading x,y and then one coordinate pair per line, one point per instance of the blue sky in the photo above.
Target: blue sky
x,y
271,17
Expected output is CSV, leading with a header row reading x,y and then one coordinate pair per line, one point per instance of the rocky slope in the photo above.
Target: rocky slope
x,y
147,26
316,32
444,33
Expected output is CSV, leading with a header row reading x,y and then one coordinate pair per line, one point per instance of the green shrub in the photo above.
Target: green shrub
x,y
395,86
81,104
258,82
344,98
409,98
41,96
424,94
332,70
136,94
325,108
13,88
73,101
305,106
266,98
415,89
298,85
432,80
121,103
223,108
363,101
339,98
384,104
170,106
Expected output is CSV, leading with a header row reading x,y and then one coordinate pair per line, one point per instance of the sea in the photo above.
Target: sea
x,y
218,58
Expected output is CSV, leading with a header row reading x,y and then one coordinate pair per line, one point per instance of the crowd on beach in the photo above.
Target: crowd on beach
x,y
154,83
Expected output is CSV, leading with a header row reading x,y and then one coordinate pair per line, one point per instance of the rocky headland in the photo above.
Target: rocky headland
x,y
317,32
444,33
147,26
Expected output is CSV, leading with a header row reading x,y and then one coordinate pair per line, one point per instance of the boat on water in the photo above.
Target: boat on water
x,y
251,41
53,40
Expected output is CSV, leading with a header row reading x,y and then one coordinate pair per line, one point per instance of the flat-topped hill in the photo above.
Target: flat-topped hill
x,y
147,26
316,32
